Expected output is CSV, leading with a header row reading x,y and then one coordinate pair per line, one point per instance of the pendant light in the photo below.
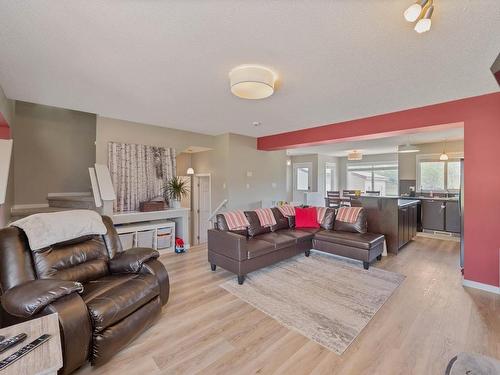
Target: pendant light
x,y
444,155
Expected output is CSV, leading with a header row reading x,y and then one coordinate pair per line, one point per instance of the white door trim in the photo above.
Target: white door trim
x,y
196,203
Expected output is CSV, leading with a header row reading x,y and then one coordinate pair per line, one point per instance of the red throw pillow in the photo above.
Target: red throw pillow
x,y
306,217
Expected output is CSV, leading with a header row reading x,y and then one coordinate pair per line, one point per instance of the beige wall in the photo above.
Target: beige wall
x,y
7,108
408,162
231,157
318,162
229,163
53,147
268,173
113,130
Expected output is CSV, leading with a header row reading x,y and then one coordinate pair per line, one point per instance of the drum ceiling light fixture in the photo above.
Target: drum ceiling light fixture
x,y
354,155
252,81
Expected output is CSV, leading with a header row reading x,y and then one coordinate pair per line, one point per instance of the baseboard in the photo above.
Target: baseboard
x,y
481,286
439,236
29,206
72,194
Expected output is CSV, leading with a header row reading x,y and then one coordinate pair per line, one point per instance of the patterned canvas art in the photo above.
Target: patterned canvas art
x,y
138,172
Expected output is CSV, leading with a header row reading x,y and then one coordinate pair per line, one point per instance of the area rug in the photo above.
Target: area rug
x,y
327,299
473,364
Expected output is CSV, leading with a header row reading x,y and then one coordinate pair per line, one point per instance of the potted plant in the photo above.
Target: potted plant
x,y
175,189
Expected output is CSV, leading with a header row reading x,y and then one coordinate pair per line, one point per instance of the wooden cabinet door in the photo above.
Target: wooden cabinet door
x,y
400,227
413,220
452,217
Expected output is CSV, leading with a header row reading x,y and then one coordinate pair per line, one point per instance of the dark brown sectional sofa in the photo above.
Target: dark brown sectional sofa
x,y
244,251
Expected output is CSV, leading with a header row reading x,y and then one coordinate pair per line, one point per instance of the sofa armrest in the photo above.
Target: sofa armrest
x,y
75,330
156,268
27,299
131,261
226,243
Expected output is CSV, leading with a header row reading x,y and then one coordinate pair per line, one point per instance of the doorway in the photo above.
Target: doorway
x,y
202,206
302,180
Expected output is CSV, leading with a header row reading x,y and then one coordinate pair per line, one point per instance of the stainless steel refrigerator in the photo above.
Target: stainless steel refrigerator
x,y
462,214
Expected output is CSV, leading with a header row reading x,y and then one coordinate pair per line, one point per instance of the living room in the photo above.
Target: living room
x,y
203,193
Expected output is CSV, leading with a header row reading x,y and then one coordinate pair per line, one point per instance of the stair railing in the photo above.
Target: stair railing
x,y
216,211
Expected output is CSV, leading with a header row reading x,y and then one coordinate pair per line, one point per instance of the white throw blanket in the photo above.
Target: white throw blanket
x,y
47,229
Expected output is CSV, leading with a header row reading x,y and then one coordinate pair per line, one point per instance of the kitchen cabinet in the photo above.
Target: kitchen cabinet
x,y
452,217
407,224
433,214
413,213
441,215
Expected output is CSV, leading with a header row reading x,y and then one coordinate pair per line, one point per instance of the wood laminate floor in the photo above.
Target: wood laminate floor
x,y
205,330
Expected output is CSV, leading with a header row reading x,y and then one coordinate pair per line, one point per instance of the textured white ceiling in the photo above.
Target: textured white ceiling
x,y
167,62
384,145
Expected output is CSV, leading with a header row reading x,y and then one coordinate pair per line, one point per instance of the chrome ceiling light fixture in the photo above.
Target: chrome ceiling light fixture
x,y
421,12
354,155
252,81
408,148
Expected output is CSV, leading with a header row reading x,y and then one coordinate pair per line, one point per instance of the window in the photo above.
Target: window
x,y
432,175
436,175
302,176
453,175
330,177
381,177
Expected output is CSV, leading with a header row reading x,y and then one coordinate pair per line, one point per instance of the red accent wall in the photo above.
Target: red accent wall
x,y
4,128
480,117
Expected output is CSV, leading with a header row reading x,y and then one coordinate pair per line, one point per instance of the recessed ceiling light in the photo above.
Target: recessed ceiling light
x,y
252,81
256,123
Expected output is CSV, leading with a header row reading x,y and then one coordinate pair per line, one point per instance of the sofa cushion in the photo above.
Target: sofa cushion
x,y
112,298
281,220
358,240
255,228
329,219
279,240
359,226
222,225
299,234
256,247
306,217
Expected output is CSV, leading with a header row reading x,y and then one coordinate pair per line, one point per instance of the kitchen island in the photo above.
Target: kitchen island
x,y
391,216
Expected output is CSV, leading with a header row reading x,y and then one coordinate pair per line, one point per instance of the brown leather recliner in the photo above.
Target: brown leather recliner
x,y
105,297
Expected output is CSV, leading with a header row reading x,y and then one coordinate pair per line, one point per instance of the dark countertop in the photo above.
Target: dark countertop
x,y
454,199
407,202
417,198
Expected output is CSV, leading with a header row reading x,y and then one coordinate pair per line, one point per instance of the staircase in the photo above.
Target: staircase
x,y
80,201
56,202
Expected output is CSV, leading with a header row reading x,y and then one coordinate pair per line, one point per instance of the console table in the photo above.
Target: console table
x,y
44,360
179,215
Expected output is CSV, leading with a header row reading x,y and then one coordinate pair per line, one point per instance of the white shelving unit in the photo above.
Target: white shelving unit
x,y
159,228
